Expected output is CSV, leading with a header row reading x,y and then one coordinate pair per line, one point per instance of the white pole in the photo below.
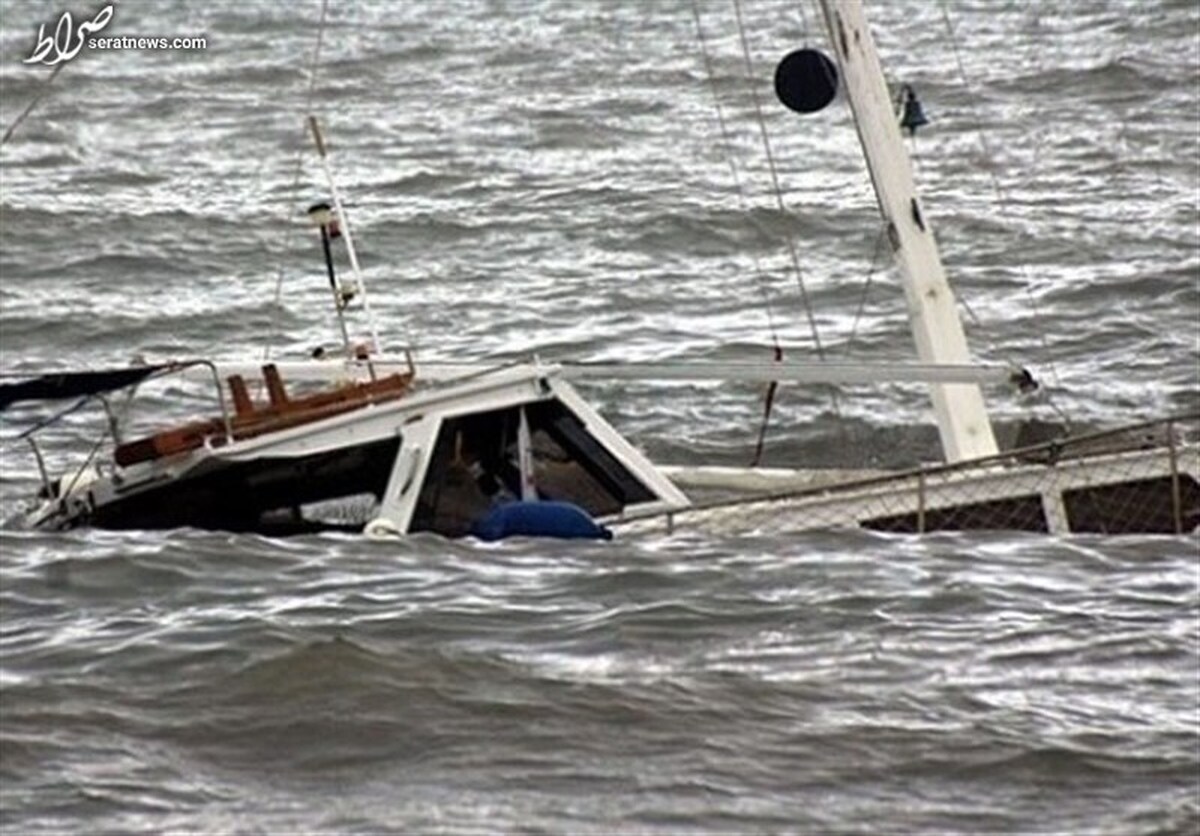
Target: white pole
x,y
789,372
525,460
344,220
962,418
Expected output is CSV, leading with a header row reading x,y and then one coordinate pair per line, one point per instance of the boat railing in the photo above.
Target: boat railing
x,y
1109,481
249,419
226,421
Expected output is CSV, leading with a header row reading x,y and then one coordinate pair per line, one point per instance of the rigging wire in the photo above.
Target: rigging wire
x,y
960,297
110,430
878,251
45,422
803,24
32,103
772,168
744,203
1005,204
993,347
791,244
297,168
727,141
866,289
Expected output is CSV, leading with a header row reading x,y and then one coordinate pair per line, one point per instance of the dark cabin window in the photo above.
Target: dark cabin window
x,y
474,466
1020,513
1137,505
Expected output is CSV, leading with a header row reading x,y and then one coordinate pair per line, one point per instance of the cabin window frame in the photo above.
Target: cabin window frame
x,y
472,454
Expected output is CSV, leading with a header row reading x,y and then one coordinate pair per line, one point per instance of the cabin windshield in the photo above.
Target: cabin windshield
x,y
474,467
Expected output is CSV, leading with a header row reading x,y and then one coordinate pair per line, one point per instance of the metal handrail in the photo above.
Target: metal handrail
x,y
924,472
225,419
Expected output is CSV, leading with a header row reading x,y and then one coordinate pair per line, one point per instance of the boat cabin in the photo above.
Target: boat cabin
x,y
382,455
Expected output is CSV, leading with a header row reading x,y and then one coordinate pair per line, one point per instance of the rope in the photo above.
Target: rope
x,y
1005,205
95,447
297,167
760,275
862,299
726,139
766,141
791,245
87,462
45,422
803,24
992,347
33,103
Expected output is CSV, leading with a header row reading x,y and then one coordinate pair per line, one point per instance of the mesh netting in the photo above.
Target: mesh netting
x,y
1141,479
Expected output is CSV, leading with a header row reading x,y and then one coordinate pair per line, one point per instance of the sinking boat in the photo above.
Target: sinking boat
x,y
424,458
394,447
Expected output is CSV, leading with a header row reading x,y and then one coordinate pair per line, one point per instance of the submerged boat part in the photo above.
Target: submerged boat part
x,y
531,518
1136,480
438,459
389,448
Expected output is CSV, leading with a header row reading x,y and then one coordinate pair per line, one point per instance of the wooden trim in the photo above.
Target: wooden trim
x,y
243,406
251,421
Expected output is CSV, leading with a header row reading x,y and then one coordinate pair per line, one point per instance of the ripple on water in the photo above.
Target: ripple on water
x,y
553,182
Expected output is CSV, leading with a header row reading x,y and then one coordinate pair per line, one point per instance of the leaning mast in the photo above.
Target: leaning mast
x,y
962,419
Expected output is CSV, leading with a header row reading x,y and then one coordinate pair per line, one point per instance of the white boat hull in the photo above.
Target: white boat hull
x,y
1134,491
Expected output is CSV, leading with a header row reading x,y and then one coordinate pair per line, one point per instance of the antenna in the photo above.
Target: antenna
x,y
344,225
322,216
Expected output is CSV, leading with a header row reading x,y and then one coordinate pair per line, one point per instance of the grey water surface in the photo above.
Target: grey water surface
x,y
551,177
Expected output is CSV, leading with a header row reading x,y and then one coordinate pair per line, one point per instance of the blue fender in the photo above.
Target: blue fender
x,y
562,520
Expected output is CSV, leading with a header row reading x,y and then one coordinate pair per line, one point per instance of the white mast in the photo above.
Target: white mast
x,y
962,418
319,139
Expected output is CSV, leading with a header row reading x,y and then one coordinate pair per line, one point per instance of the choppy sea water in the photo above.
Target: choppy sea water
x,y
551,177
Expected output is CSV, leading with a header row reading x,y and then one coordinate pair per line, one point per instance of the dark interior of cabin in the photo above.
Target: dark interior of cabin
x,y
474,467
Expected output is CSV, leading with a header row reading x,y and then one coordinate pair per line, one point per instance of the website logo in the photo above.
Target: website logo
x,y
68,38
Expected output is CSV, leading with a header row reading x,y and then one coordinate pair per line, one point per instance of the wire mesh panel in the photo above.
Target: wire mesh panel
x,y
1134,506
1141,479
1021,513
